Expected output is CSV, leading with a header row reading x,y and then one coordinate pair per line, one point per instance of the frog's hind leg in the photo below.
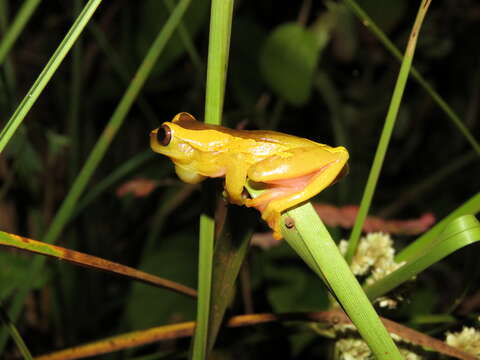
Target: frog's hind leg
x,y
284,192
270,202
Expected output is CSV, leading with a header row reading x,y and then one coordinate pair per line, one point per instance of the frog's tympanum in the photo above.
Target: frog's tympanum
x,y
293,169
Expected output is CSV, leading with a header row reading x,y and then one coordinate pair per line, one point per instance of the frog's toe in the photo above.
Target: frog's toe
x,y
272,217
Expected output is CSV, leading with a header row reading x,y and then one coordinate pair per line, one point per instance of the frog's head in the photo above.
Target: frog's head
x,y
173,140
185,137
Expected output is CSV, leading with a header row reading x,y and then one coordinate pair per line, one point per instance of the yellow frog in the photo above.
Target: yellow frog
x,y
293,169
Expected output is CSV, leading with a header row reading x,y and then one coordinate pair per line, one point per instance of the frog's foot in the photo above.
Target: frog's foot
x,y
270,214
273,217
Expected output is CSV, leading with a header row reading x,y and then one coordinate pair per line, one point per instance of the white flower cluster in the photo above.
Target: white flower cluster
x,y
374,256
467,340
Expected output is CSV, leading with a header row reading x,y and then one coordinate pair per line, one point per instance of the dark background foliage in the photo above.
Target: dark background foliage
x,y
335,90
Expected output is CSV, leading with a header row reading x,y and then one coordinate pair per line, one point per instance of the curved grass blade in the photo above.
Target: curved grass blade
x,y
461,232
472,206
94,262
386,132
23,16
48,71
451,114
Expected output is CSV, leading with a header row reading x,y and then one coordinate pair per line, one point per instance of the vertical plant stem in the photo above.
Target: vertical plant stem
x,y
66,209
218,47
205,269
387,131
26,10
47,73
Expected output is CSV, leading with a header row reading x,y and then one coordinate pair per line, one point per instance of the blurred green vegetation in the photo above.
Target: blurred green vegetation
x,y
310,69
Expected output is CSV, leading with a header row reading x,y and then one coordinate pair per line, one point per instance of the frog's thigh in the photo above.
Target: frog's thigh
x,y
235,177
292,163
326,175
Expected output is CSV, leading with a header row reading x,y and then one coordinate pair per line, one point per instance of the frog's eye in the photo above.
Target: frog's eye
x,y
164,135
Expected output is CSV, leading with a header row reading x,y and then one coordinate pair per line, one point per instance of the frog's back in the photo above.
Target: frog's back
x,y
259,136
274,137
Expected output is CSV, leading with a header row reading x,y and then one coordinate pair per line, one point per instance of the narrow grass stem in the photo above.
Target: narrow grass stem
x,y
386,132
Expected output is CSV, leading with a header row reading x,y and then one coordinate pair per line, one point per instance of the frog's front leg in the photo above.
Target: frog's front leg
x,y
235,178
293,177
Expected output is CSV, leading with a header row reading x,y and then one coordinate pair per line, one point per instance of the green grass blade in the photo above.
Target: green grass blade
x,y
472,206
311,240
48,71
386,132
66,209
24,14
12,330
451,114
218,48
461,232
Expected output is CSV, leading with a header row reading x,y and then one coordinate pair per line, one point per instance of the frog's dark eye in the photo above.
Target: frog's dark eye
x,y
164,135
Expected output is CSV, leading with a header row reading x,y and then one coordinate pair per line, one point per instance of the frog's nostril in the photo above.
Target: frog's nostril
x,y
164,135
